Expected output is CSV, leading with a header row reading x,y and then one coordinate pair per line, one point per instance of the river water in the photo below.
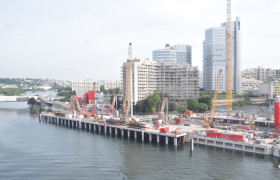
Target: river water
x,y
32,150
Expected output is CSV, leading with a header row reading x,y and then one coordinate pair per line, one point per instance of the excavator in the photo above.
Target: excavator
x,y
206,122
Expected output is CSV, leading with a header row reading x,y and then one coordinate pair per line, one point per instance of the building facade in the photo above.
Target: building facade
x,y
263,74
214,57
249,81
180,81
183,53
271,86
84,86
167,54
113,84
180,53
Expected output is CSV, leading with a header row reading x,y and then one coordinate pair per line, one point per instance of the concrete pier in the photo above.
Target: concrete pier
x,y
157,137
234,145
135,134
101,128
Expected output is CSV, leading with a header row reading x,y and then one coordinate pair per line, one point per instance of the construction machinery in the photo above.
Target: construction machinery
x,y
251,122
110,107
161,113
228,60
164,103
77,105
209,122
128,83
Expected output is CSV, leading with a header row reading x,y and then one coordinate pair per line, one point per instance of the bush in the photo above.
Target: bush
x,y
241,103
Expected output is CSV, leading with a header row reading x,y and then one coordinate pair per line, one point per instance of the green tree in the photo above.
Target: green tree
x,y
103,90
202,107
182,108
192,104
151,103
206,99
171,106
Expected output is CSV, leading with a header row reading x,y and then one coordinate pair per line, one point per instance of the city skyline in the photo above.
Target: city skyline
x,y
77,40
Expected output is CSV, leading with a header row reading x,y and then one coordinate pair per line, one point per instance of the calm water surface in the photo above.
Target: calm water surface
x,y
32,150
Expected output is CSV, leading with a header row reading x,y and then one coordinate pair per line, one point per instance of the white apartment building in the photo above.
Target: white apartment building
x,y
112,84
180,81
84,86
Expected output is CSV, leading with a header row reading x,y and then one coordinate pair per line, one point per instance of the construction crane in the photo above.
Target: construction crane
x,y
205,122
112,108
128,83
228,59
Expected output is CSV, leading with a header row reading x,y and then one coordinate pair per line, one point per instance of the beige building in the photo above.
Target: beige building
x,y
113,84
84,86
249,81
180,81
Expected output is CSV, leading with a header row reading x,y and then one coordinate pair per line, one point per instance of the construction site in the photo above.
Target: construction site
x,y
254,129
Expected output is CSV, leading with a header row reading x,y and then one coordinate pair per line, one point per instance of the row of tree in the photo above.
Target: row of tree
x,y
240,103
154,101
66,93
12,91
202,104
110,91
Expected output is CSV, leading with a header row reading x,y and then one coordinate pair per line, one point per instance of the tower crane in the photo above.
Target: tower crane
x,y
205,122
128,83
228,59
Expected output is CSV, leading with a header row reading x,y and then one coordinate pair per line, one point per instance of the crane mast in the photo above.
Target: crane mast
x,y
228,59
128,82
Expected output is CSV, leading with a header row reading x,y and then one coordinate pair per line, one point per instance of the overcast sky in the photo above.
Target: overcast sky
x,y
88,39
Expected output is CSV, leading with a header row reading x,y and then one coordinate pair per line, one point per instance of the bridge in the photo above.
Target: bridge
x,y
16,98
